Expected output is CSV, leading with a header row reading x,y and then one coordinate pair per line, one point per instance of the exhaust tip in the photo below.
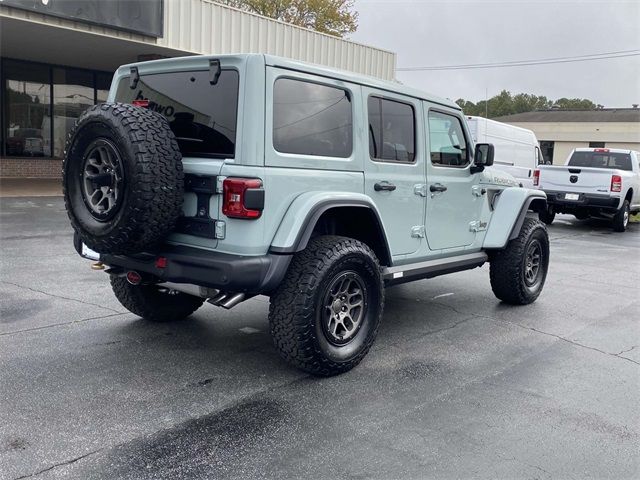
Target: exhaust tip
x,y
134,278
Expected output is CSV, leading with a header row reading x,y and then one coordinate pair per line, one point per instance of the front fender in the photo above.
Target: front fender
x,y
303,213
510,210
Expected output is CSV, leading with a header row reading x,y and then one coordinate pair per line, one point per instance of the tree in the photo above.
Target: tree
x,y
574,104
507,104
334,17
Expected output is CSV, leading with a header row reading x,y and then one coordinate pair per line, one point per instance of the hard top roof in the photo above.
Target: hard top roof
x,y
373,82
174,64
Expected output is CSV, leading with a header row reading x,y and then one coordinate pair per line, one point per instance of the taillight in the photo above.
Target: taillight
x,y
600,149
243,198
536,178
616,183
140,103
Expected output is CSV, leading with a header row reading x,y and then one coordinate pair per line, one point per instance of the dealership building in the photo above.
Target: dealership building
x,y
57,58
560,131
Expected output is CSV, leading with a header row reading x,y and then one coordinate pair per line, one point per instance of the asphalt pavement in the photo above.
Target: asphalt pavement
x,y
457,385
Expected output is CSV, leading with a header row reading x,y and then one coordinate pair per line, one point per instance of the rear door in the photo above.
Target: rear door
x,y
394,171
452,202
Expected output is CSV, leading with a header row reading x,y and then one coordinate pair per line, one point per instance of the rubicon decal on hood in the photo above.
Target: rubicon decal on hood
x,y
493,177
504,181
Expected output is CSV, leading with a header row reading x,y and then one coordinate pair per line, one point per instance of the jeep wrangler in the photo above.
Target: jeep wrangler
x,y
220,178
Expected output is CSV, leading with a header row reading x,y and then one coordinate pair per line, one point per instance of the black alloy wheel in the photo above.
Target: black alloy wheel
x,y
345,305
532,261
102,180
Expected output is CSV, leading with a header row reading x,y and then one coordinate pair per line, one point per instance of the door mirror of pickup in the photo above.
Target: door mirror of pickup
x,y
483,157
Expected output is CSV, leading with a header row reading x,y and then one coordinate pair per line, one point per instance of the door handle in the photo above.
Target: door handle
x,y
437,187
384,187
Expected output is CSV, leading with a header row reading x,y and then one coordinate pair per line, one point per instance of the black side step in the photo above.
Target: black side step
x,y
432,268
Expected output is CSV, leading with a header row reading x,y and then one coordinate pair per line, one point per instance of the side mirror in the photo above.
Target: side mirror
x,y
483,157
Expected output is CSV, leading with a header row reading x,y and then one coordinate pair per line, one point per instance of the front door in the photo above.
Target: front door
x,y
394,171
453,204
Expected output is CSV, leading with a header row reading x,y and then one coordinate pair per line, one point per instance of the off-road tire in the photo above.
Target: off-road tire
x,y
547,215
621,218
508,267
295,311
152,179
150,303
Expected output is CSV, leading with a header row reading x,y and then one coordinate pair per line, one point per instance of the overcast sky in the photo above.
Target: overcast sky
x,y
456,32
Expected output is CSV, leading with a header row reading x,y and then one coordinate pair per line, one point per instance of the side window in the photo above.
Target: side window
x,y
447,141
311,119
392,127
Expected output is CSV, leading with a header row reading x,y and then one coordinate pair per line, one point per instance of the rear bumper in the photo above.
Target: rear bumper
x,y
588,200
226,272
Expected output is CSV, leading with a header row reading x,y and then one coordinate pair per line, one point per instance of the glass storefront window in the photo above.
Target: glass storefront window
x,y
33,123
103,84
73,93
27,110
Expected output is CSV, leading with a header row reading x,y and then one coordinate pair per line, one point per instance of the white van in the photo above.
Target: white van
x,y
516,149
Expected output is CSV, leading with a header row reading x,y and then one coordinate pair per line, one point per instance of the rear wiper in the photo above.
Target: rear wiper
x,y
134,78
214,71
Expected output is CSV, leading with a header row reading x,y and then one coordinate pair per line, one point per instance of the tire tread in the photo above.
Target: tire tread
x,y
152,305
505,271
156,191
291,310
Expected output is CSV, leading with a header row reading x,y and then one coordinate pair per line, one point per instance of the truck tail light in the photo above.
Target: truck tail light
x,y
536,178
242,198
600,149
140,103
616,183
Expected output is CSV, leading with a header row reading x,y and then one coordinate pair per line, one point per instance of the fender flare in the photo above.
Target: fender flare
x,y
510,210
301,217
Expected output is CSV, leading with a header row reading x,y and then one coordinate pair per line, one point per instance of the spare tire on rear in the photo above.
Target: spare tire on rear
x,y
123,181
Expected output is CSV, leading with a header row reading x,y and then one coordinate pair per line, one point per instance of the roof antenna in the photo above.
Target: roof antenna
x,y
134,78
214,71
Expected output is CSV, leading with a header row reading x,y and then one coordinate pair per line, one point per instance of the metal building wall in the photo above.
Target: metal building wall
x,y
203,26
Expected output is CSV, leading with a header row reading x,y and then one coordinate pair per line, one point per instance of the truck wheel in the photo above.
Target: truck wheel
x,y
519,271
122,178
547,215
621,218
154,303
325,315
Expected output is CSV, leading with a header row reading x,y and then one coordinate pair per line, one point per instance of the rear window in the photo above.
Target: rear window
x,y
620,161
202,116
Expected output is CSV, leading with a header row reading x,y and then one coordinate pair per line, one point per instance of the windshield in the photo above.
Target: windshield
x,y
620,161
202,116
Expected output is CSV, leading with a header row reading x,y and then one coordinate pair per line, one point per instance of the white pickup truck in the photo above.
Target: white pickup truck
x,y
593,182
